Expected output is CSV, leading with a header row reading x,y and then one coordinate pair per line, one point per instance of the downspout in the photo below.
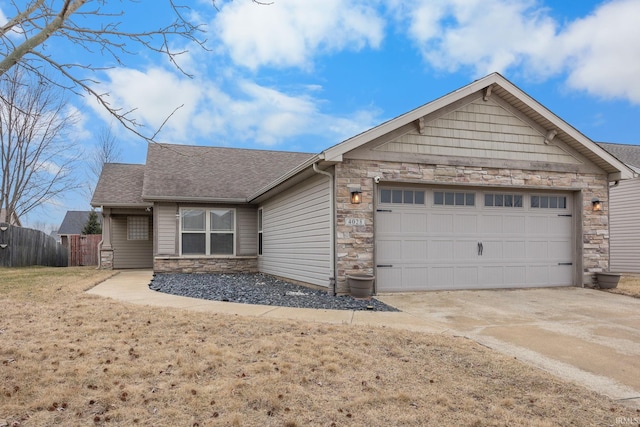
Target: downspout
x,y
332,227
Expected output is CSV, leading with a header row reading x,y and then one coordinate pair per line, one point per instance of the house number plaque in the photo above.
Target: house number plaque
x,y
353,221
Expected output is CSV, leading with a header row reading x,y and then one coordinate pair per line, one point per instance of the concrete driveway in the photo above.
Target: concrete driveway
x,y
587,336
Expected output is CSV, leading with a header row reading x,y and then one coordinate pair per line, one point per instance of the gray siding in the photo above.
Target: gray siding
x,y
167,226
296,233
247,230
624,228
130,253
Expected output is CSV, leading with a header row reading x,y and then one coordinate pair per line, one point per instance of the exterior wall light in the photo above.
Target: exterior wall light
x,y
356,194
596,204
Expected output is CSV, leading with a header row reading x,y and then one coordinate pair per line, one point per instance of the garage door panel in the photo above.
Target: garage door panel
x,y
414,222
514,249
389,249
389,279
537,225
465,223
465,250
558,250
440,246
441,250
491,224
537,275
440,277
440,223
466,277
415,250
538,250
492,250
491,276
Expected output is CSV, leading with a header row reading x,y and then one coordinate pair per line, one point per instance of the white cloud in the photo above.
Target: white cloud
x,y
599,54
289,33
234,111
484,35
602,51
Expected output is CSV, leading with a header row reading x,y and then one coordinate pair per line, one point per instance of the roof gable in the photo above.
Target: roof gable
x,y
198,173
495,89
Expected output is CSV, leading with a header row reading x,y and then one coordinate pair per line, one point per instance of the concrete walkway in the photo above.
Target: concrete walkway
x,y
585,336
133,286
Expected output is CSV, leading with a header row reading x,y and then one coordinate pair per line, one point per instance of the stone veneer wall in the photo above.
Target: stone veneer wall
x,y
355,244
106,259
242,264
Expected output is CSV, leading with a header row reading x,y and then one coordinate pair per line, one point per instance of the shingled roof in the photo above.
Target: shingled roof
x,y
197,173
120,184
627,154
74,222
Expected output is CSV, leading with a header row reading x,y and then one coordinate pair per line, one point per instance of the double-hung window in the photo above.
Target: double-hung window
x,y
207,231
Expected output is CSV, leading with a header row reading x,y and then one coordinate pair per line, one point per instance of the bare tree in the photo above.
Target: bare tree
x,y
36,154
106,150
96,27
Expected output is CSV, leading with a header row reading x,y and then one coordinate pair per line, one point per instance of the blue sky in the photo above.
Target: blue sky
x,y
304,75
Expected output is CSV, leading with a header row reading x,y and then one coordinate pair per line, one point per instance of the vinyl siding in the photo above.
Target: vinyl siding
x,y
167,229
247,231
130,253
296,233
480,129
624,226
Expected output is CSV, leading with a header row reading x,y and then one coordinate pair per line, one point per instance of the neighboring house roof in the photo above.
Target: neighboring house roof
x,y
74,222
511,98
626,153
120,184
198,173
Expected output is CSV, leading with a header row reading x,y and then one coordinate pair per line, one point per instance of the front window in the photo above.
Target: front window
x,y
208,231
260,231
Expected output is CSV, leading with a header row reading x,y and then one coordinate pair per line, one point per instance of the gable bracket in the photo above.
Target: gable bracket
x,y
487,93
422,126
550,135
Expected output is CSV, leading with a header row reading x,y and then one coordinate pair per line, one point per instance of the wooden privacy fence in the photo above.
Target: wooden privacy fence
x,y
22,247
83,249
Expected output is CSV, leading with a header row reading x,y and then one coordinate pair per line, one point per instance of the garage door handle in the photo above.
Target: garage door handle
x,y
384,265
480,248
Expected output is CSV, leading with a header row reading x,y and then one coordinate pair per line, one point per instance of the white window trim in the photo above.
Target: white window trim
x,y
207,231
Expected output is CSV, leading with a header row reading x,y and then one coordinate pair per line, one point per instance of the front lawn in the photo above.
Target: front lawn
x,y
72,359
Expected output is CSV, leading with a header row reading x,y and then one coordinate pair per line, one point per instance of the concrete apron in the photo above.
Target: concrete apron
x,y
586,336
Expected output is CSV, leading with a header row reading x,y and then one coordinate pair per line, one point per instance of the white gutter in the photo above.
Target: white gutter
x,y
332,227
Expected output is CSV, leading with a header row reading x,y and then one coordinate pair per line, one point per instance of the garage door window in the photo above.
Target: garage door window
x,y
406,197
451,198
503,200
549,202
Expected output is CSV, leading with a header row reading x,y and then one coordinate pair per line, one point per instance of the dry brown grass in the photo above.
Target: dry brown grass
x,y
628,285
68,358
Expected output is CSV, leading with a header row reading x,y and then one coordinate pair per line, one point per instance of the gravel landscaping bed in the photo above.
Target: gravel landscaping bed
x,y
258,289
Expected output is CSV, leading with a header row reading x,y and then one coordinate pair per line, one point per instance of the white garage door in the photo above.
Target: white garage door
x,y
432,238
